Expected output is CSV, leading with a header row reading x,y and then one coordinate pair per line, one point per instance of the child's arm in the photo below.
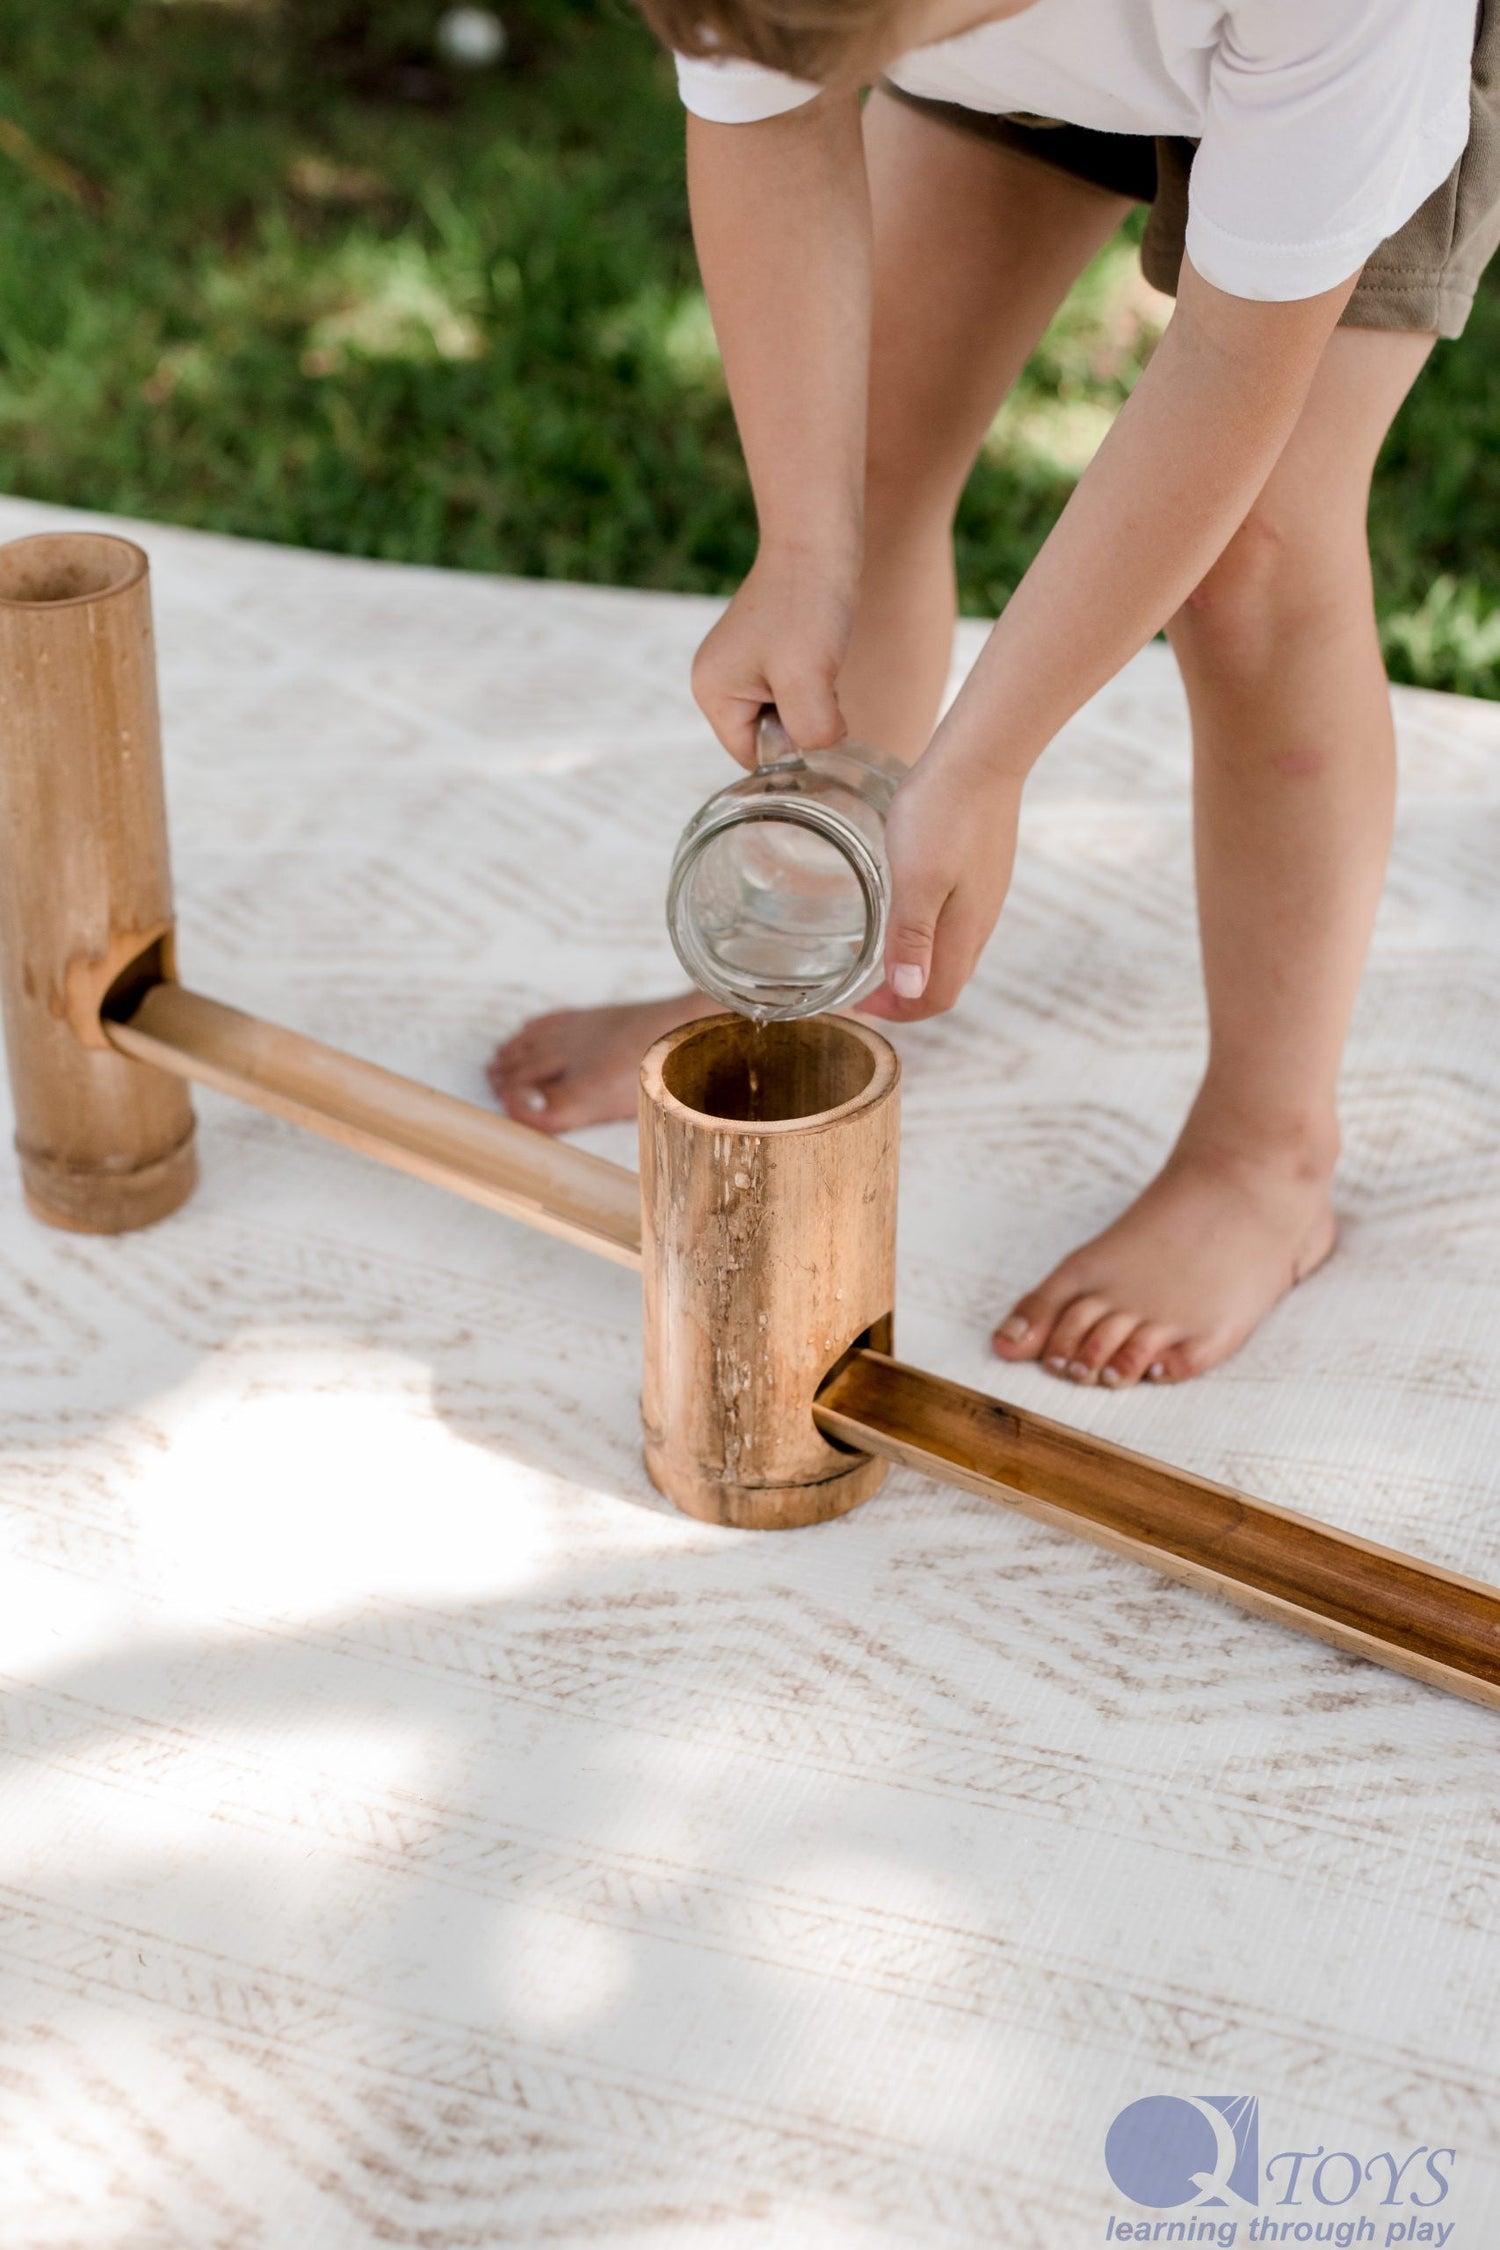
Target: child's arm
x,y
1175,479
781,220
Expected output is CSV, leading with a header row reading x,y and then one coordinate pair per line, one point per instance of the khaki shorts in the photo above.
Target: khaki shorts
x,y
1423,277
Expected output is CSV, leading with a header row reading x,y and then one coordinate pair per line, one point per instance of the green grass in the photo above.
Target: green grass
x,y
269,270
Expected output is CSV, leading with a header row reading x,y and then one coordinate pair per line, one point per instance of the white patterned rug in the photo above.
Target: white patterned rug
x,y
416,1833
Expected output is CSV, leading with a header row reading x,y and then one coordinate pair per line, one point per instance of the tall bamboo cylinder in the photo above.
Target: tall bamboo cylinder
x,y
105,1143
768,1206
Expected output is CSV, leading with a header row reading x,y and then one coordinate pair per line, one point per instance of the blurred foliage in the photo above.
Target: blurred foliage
x,y
270,267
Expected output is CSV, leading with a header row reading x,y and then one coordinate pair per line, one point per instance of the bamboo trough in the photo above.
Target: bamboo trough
x,y
762,1220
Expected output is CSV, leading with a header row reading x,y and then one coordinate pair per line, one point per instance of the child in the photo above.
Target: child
x,y
1324,184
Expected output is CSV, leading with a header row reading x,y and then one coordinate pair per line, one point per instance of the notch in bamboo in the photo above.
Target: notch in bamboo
x,y
85,883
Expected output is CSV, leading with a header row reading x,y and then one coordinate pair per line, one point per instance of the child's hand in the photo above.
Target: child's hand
x,y
951,843
782,640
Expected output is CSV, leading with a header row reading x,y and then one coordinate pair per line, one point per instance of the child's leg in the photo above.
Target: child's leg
x,y
975,248
1294,787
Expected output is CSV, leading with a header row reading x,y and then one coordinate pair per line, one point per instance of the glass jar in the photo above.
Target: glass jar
x,y
779,889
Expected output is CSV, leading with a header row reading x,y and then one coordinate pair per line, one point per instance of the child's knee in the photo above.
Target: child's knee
x,y
1273,582
1237,595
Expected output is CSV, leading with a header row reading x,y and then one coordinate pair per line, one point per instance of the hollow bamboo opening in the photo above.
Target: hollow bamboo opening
x,y
52,568
799,1073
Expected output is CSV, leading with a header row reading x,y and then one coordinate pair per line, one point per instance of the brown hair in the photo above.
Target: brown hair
x,y
808,38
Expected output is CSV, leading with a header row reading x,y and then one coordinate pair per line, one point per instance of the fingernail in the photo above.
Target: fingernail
x,y
1080,1371
1111,1376
1015,1328
534,1099
1058,1366
1156,1374
908,982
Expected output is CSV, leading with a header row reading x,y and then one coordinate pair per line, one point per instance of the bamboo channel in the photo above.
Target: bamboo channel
x,y
1392,1608
436,1137
1371,1601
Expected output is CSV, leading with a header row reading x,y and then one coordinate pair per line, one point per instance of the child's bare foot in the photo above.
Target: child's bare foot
x,y
580,1066
1182,1278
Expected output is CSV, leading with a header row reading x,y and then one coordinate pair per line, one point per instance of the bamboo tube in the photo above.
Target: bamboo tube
x,y
768,1199
1392,1608
454,1144
85,886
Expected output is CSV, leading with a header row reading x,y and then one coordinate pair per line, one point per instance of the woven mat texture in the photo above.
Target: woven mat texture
x,y
414,1832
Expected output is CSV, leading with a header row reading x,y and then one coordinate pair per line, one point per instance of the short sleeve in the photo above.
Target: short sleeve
x,y
1327,125
728,92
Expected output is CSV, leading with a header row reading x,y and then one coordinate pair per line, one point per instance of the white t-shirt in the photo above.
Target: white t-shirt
x,y
1323,123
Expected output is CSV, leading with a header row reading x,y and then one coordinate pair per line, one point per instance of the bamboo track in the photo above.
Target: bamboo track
x,y
433,1136
1393,1608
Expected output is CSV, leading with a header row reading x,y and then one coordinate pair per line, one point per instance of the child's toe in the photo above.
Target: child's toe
x,y
566,1106
531,1051
1028,1324
537,1067
1131,1361
511,1054
536,1038
1180,1362
1099,1346
1068,1331
530,1103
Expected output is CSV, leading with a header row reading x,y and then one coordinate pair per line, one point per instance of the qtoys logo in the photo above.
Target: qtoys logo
x,y
1199,2155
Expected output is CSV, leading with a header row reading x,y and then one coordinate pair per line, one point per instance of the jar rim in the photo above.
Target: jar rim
x,y
706,969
